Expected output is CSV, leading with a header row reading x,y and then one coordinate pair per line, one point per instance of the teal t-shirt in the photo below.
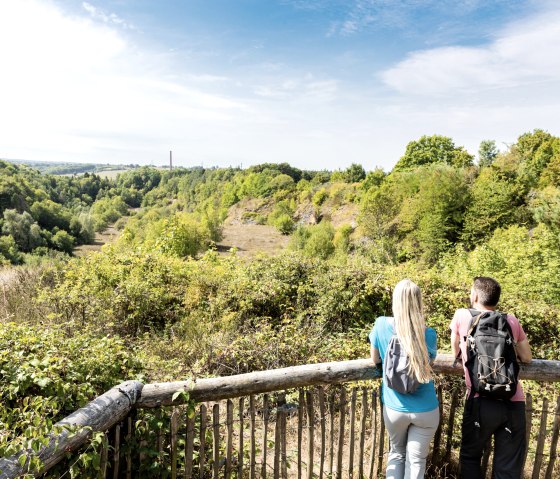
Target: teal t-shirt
x,y
424,399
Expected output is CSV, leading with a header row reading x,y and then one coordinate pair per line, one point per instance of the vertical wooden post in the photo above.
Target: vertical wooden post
x,y
301,406
381,438
252,444
283,456
374,417
277,445
322,412
240,451
450,425
362,434
539,454
265,436
117,452
528,424
104,457
352,433
229,443
340,445
331,434
202,449
173,444
310,434
128,450
216,437
437,436
553,442
189,445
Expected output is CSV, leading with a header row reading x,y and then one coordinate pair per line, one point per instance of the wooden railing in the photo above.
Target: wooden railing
x,y
318,420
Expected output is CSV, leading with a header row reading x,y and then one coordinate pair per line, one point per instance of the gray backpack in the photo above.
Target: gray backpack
x,y
396,369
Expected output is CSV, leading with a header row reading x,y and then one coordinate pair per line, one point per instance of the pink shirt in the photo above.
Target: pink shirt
x,y
460,325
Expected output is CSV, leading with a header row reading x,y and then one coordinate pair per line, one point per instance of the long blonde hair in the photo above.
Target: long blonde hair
x,y
410,327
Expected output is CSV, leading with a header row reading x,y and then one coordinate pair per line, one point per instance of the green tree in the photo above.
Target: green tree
x,y
433,149
487,152
23,229
354,173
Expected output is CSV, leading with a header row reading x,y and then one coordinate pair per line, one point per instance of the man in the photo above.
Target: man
x,y
486,417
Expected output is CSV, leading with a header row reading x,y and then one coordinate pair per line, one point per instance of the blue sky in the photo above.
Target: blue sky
x,y
316,83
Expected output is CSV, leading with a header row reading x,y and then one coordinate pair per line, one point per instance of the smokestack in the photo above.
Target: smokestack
x,y
170,160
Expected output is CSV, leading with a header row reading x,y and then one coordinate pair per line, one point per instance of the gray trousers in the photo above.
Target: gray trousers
x,y
411,434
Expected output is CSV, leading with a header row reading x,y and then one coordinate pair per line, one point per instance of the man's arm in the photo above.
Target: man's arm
x,y
523,350
375,357
455,339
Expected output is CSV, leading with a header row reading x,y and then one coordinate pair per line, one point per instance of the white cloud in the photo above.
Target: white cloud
x,y
521,54
105,17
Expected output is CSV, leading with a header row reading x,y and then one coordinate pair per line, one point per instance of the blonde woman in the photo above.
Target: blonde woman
x,y
411,418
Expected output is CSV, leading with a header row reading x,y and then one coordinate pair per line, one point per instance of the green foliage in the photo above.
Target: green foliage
x,y
487,152
47,374
314,241
23,229
108,210
320,196
119,292
433,149
495,203
182,236
354,173
373,179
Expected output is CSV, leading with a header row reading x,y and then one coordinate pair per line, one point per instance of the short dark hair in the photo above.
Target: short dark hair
x,y
488,290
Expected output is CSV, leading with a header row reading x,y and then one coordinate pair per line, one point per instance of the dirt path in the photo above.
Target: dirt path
x,y
252,239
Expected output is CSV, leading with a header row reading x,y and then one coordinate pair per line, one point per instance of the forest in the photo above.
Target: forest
x,y
163,302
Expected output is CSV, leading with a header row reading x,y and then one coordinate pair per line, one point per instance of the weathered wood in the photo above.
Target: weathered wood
x,y
265,436
104,457
301,403
213,389
240,450
216,437
553,442
283,455
528,424
381,438
174,424
340,445
189,446
450,424
539,454
229,443
117,452
352,433
363,418
129,427
98,415
277,445
331,434
373,432
310,434
322,412
202,449
437,436
252,443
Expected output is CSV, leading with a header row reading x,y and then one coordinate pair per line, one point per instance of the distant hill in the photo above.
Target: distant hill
x,y
64,168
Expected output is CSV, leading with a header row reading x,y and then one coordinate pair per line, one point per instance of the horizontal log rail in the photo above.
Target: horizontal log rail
x,y
111,407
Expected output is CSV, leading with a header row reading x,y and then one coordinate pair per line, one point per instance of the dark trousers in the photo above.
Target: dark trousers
x,y
505,420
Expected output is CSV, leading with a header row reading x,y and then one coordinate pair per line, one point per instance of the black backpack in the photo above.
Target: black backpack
x,y
491,358
396,369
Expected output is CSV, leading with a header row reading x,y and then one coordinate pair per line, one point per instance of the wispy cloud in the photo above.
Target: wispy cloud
x,y
303,89
520,54
105,17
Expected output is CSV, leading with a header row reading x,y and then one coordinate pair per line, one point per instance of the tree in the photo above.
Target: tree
x,y
23,229
354,173
487,152
433,149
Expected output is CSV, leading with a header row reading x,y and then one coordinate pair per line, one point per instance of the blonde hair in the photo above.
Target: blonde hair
x,y
410,327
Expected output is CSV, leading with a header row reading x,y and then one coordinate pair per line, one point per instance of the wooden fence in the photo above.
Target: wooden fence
x,y
308,421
